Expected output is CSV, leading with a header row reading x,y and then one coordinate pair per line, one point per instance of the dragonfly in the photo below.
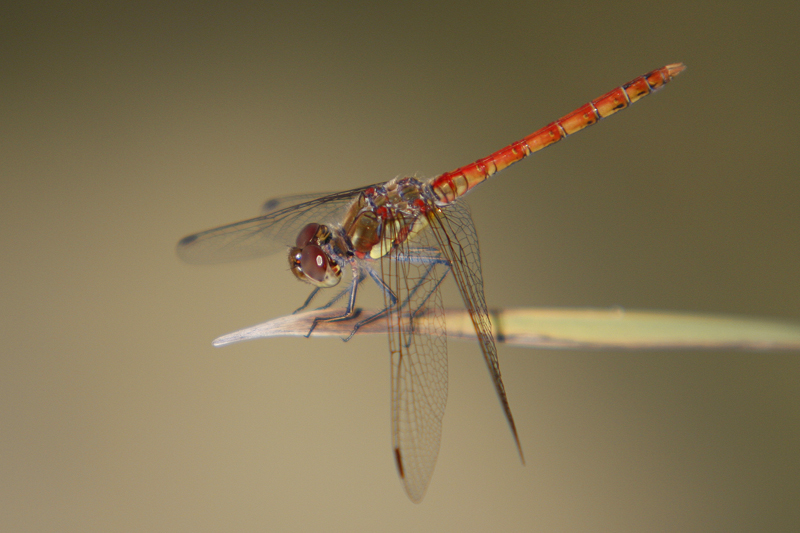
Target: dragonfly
x,y
406,235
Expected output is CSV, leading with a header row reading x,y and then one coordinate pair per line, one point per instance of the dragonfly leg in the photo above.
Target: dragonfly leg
x,y
332,301
341,294
432,258
432,261
371,318
351,303
308,300
432,290
387,292
384,288
413,313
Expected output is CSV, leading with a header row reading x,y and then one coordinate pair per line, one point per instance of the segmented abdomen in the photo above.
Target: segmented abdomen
x,y
451,185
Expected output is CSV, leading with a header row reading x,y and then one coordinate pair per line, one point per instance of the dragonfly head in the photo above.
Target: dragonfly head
x,y
309,262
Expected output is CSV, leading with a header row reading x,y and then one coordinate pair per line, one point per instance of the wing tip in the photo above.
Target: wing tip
x,y
270,205
186,241
399,461
185,249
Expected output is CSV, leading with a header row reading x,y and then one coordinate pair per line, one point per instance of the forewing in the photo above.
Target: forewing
x,y
419,360
271,232
456,238
282,202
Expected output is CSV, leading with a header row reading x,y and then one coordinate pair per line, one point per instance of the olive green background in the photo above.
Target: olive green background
x,y
125,127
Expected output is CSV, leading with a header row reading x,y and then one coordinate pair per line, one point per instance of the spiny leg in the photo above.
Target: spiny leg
x,y
388,294
428,256
349,310
308,300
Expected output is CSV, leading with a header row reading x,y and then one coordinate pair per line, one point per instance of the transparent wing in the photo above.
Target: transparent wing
x,y
282,202
271,232
456,238
418,345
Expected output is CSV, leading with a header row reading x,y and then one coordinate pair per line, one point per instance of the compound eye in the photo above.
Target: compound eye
x,y
314,262
306,234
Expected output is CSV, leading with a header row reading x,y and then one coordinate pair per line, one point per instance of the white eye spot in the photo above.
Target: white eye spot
x,y
319,261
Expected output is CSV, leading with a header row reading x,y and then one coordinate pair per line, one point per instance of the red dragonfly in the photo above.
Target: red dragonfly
x,y
406,235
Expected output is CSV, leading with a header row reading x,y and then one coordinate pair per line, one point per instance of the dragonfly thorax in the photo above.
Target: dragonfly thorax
x,y
384,217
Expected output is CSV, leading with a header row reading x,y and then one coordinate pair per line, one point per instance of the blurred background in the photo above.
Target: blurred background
x,y
126,126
